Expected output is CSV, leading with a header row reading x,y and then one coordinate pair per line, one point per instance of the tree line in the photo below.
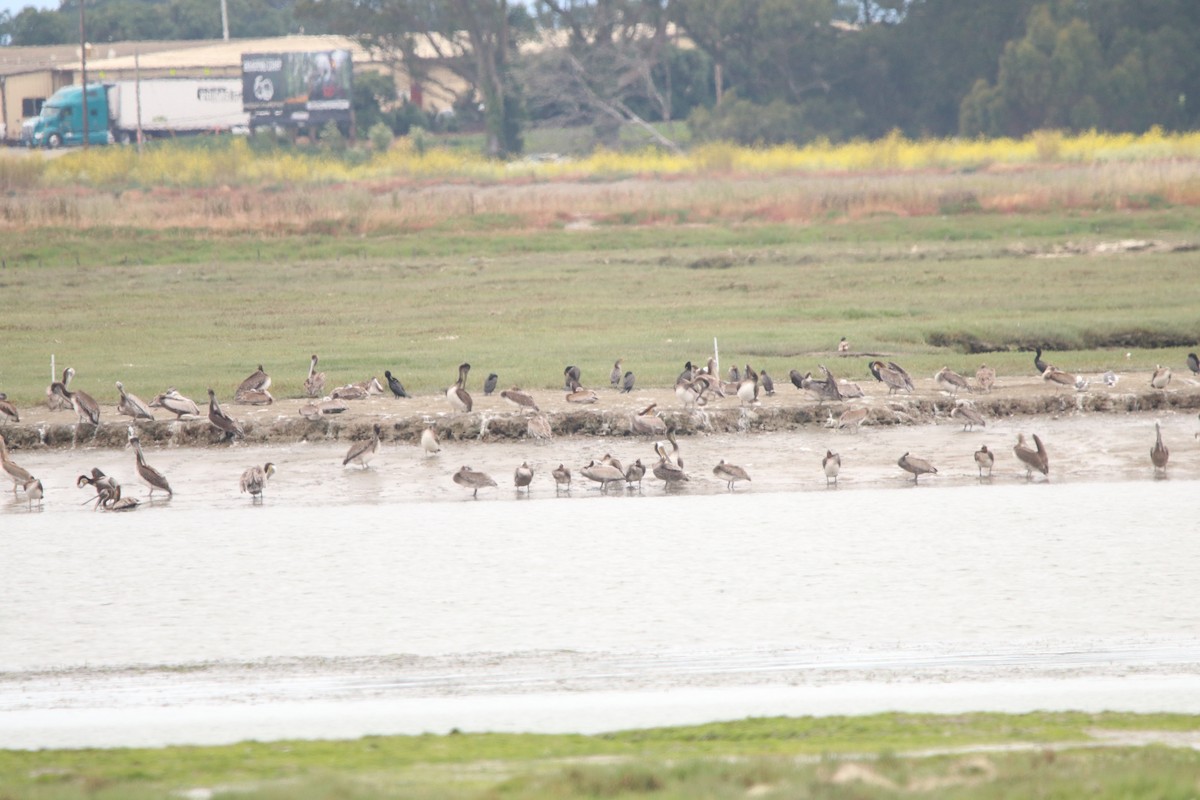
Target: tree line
x,y
751,71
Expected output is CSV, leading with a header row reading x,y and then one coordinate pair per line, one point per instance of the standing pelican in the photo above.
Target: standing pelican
x,y
1056,375
149,475
56,400
747,387
969,416
951,381
1159,453
394,384
891,376
222,421
33,491
7,410
254,480
258,380
985,376
852,418
473,480
1031,458
730,473
489,384
635,472
176,403
562,475
917,466
603,474
627,382
86,407
984,458
614,377
18,474
832,464
1193,362
520,399
538,427
523,476
131,405
570,376
459,397
362,452
1161,377
429,441
314,384
665,469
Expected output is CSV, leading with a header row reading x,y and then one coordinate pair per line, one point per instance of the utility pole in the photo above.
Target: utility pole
x,y
83,71
225,19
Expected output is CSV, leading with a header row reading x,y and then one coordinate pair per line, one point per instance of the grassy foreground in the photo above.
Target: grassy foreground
x,y
882,756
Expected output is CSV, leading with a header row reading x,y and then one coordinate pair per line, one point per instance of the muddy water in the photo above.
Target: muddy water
x,y
388,600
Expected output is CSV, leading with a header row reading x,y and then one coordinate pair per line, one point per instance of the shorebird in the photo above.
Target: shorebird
x,y
520,399
730,473
222,421
7,410
254,480
985,459
767,382
258,380
538,427
523,476
891,375
394,384
131,405
570,376
968,415
56,400
561,475
832,465
1032,458
634,473
176,403
148,474
1161,377
951,381
489,383
429,441
459,397
18,474
648,421
473,480
917,466
86,407
985,376
1193,362
362,452
627,382
33,491
852,418
603,474
614,377
1159,453
314,384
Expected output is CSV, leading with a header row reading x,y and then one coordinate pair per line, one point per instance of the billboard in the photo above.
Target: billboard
x,y
297,88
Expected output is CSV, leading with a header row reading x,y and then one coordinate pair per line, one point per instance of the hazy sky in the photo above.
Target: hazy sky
x,y
13,6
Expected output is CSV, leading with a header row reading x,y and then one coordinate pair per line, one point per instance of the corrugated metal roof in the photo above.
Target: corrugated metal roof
x,y
17,60
216,54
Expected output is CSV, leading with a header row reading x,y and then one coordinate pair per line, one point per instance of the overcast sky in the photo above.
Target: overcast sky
x,y
14,6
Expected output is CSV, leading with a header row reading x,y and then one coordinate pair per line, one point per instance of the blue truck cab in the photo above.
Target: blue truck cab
x,y
61,122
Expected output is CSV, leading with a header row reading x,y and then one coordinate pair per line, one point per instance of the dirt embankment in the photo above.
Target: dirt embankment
x,y
495,419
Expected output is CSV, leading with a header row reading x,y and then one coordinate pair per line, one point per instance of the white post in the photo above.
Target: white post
x,y
717,358
52,372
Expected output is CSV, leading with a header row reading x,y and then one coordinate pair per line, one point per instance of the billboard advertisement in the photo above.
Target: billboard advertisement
x,y
307,89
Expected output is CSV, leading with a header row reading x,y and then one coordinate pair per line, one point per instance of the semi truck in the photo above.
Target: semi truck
x,y
164,107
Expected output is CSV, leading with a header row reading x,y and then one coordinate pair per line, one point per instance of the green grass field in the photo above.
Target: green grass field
x,y
882,756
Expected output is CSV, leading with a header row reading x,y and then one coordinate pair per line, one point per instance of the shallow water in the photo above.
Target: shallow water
x,y
348,592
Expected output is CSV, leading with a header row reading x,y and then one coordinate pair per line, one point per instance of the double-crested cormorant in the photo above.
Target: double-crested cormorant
x,y
489,383
394,384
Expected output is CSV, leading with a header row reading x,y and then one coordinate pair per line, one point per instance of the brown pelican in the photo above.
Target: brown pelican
x,y
314,384
460,399
823,389
131,405
429,441
852,418
255,397
1161,377
648,421
690,393
7,410
1038,364
362,452
106,487
371,385
561,475
747,387
19,475
254,480
523,476
33,491
665,469
1031,458
394,384
627,382
613,462
603,474
985,376
1193,362
969,416
351,391
222,421
86,407
984,458
832,464
917,466
1056,375
730,473
538,426
1159,453
473,480
578,394
843,346
614,377
522,400
258,380
149,475
951,381
56,400
176,403
891,375
635,472
570,376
